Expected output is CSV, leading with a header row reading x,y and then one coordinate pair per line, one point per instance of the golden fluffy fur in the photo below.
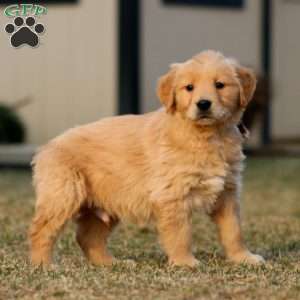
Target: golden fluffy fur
x,y
158,167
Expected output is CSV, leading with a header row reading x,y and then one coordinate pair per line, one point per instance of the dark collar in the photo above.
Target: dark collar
x,y
243,130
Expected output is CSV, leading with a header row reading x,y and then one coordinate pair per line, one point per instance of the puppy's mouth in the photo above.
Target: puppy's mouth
x,y
205,119
205,116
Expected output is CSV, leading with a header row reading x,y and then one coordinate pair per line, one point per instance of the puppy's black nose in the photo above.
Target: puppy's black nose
x,y
204,104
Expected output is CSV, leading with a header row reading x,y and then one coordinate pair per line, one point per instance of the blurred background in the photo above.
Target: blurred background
x,y
103,58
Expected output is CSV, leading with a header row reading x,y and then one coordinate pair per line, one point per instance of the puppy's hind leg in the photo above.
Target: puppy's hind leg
x,y
92,235
55,206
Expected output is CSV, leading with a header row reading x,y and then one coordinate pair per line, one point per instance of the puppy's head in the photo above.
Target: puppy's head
x,y
207,89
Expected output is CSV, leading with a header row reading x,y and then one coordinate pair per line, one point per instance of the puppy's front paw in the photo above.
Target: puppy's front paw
x,y
40,260
248,258
188,261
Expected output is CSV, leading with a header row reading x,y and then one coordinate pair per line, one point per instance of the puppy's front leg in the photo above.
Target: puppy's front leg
x,y
227,218
174,227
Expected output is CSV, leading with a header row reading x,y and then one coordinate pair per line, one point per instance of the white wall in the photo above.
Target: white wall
x,y
175,33
286,66
71,77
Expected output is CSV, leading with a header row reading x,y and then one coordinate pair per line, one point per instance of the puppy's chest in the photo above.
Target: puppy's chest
x,y
207,174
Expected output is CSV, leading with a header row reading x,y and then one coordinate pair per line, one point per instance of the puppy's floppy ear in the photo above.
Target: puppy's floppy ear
x,y
247,80
165,89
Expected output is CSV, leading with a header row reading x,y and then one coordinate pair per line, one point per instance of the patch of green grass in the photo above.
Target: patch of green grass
x,y
271,223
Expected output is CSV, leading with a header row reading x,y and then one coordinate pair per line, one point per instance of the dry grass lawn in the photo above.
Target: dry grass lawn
x,y
271,210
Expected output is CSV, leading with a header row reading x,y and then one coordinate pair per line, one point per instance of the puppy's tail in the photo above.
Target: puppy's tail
x,y
58,179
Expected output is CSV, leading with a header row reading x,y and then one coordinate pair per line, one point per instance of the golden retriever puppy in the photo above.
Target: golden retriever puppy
x,y
157,167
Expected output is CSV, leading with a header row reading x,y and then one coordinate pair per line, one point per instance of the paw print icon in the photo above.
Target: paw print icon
x,y
24,32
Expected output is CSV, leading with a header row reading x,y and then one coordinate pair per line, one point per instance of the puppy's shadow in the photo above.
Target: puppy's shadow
x,y
215,256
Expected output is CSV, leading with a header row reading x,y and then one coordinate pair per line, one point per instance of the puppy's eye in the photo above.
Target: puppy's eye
x,y
189,87
220,85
